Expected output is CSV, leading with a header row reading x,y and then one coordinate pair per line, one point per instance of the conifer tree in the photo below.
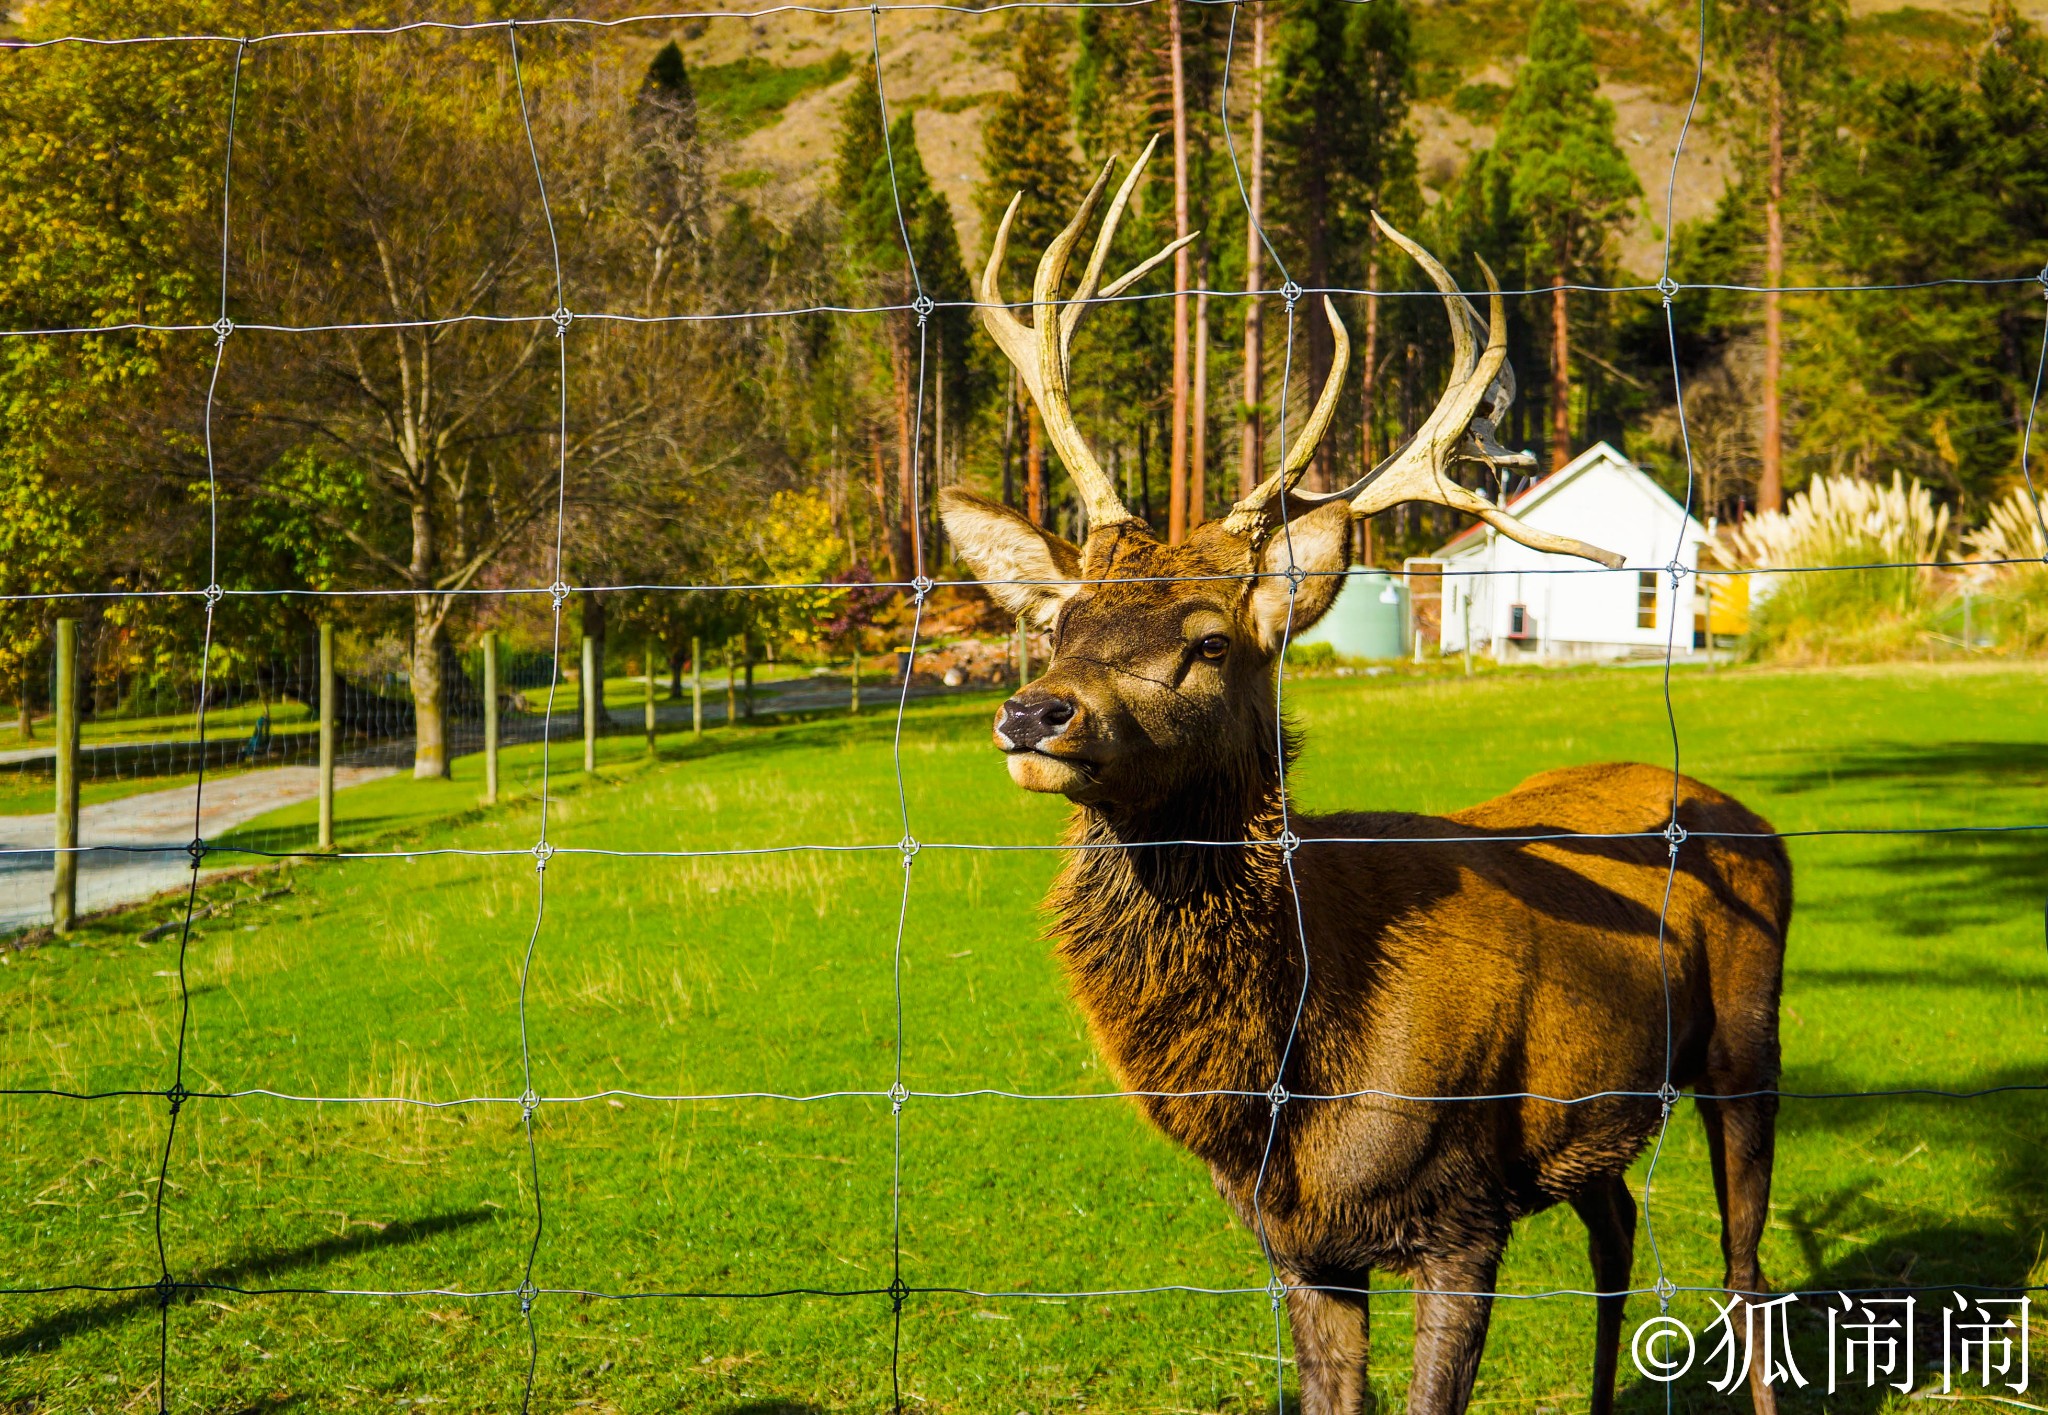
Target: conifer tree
x,y
1565,177
889,201
1779,53
1336,118
1025,149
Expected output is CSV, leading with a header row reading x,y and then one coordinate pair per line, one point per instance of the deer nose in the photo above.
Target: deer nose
x,y
1027,722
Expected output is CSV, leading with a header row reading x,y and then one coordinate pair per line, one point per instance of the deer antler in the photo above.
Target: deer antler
x,y
1040,350
1460,428
1456,430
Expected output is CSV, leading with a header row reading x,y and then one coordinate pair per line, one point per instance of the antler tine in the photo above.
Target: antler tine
x,y
1263,505
1417,472
1011,334
1038,351
1078,307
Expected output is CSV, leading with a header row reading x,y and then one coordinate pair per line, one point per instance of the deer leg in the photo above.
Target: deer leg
x,y
1609,1213
1451,1312
1741,1139
1332,1339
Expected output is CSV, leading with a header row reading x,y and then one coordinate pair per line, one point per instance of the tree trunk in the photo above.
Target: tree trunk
x,y
1034,468
429,698
1177,464
1770,491
1198,467
1251,440
429,612
1560,375
881,516
902,366
675,674
1368,444
594,628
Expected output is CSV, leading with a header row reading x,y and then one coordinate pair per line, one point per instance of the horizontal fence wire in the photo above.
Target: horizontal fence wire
x,y
528,1291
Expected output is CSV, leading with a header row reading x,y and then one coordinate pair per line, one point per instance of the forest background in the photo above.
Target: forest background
x,y
730,186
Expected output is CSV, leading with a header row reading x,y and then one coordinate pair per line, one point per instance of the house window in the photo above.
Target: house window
x,y
1646,599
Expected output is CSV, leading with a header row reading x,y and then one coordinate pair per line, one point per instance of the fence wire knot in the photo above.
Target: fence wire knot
x,y
1295,575
908,846
542,853
1276,1291
177,1095
1677,571
1666,1289
529,1102
1667,287
561,319
922,586
166,1288
1674,836
214,595
197,851
222,328
1288,842
923,306
2043,278
898,1290
1291,293
527,1292
1276,1096
1668,1095
898,1094
557,592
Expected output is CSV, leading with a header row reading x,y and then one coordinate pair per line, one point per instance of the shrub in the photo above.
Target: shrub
x,y
1838,615
1311,656
2018,592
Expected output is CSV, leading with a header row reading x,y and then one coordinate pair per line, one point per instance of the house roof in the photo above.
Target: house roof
x,y
1599,455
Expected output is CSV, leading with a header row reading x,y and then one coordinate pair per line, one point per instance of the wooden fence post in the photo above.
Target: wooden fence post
x,y
696,689
593,702
64,867
491,717
855,709
650,695
326,736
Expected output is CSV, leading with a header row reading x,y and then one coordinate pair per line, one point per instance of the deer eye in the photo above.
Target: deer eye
x,y
1213,647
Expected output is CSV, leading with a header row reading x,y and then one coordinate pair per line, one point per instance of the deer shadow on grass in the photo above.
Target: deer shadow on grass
x,y
111,1309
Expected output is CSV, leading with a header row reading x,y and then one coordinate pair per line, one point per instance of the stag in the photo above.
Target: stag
x,y
1389,1036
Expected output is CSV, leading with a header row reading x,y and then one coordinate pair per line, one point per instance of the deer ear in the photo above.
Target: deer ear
x,y
1319,544
1021,565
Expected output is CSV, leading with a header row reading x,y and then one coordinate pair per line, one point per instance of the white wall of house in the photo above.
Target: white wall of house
x,y
1571,608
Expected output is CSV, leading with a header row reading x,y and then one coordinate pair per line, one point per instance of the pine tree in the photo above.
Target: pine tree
x,y
1566,179
1779,53
1336,115
891,200
1025,149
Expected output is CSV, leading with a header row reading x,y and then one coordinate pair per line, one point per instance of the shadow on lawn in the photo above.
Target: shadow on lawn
x,y
54,1330
1850,1239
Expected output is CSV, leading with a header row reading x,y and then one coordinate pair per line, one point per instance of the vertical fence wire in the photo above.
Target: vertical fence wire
x,y
529,1100
176,1095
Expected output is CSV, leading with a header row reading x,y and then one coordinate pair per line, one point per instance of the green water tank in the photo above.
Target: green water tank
x,y
1369,619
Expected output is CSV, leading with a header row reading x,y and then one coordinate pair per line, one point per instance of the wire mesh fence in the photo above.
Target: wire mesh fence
x,y
197,720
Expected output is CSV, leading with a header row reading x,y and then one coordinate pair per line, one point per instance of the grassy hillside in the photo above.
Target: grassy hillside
x,y
945,67
1916,961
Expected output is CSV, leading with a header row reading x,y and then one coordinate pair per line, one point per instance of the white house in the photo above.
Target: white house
x,y
1524,605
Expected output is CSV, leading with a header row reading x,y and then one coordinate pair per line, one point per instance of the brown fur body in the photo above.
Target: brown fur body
x,y
1470,998
1454,969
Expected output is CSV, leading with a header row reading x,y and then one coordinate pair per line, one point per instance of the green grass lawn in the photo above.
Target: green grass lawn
x,y
1916,961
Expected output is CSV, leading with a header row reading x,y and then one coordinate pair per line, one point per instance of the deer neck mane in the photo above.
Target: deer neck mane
x,y
1184,957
